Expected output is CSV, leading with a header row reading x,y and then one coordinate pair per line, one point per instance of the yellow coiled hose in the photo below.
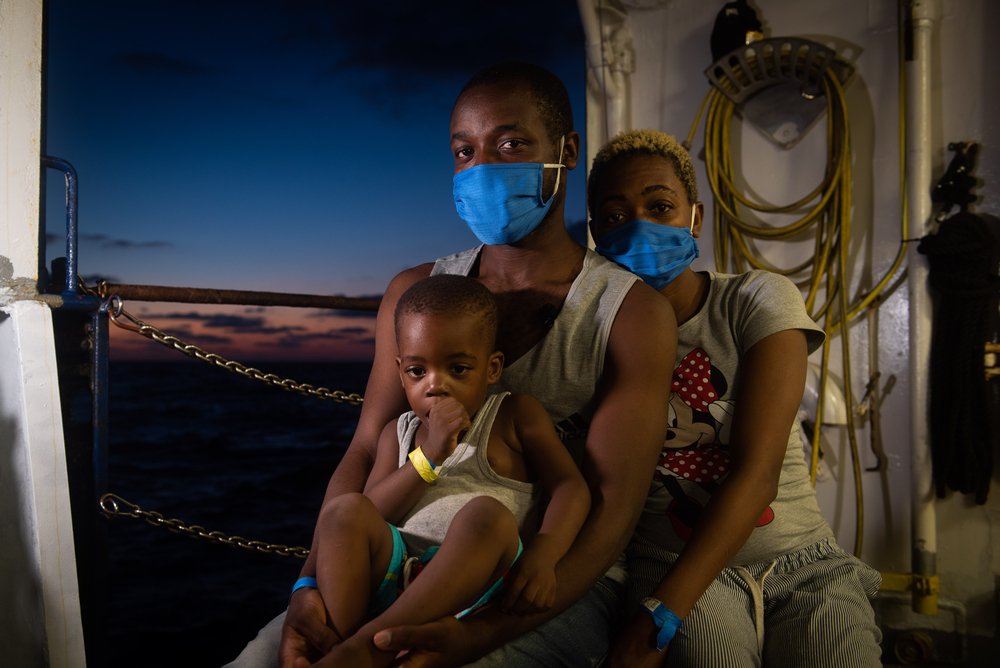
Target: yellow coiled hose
x,y
825,213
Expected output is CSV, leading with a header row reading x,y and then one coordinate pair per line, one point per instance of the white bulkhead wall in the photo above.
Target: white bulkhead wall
x,y
40,621
670,52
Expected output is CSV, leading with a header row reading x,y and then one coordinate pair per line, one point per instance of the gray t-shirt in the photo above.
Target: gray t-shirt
x,y
739,311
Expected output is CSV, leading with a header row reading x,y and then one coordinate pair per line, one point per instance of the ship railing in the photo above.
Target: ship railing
x,y
81,315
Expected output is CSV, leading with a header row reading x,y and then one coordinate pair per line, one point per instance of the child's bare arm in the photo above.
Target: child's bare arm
x,y
391,487
531,586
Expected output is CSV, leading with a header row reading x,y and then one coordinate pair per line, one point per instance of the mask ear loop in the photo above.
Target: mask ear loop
x,y
557,166
694,210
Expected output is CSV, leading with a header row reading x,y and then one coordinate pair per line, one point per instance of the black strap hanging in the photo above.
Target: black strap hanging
x,y
963,258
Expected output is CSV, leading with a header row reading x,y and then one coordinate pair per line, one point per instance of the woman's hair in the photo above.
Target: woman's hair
x,y
450,295
644,142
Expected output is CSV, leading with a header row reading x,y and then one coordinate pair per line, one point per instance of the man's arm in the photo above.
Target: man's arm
x,y
531,584
625,435
623,444
305,632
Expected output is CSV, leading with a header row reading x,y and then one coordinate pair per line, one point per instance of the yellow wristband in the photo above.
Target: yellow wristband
x,y
423,466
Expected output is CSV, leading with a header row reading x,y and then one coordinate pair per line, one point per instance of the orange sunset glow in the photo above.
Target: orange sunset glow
x,y
249,333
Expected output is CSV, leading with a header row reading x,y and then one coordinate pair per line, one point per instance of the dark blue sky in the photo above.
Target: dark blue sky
x,y
287,146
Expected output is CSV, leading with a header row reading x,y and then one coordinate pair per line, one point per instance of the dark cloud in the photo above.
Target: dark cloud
x,y
240,323
392,53
350,331
55,237
188,335
441,39
130,245
215,320
405,49
105,241
151,63
339,314
349,334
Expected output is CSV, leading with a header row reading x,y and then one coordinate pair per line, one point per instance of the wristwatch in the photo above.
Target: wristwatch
x,y
666,621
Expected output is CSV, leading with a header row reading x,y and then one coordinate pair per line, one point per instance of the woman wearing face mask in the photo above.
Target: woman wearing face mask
x,y
732,563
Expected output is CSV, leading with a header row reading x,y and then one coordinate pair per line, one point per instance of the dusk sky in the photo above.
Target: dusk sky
x,y
294,146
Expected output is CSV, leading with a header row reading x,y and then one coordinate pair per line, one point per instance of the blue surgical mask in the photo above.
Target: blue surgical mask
x,y
502,203
655,253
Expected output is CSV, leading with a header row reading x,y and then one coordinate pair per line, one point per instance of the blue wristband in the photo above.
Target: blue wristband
x,y
665,620
304,582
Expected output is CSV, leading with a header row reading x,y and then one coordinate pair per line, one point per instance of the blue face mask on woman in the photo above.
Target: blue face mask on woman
x,y
655,253
502,203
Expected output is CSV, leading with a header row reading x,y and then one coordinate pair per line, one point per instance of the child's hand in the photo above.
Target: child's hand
x,y
445,423
531,583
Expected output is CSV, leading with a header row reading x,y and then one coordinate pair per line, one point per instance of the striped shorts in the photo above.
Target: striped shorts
x,y
806,608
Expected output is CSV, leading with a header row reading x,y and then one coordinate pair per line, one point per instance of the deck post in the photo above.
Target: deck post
x,y
40,622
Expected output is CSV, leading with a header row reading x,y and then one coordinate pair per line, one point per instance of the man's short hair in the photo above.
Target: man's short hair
x,y
643,142
450,295
546,88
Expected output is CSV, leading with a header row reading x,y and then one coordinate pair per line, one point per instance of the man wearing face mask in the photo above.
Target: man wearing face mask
x,y
589,340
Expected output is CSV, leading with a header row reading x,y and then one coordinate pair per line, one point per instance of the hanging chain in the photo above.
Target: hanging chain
x,y
126,320
115,506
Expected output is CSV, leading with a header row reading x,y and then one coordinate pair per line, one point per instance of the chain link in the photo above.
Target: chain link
x,y
115,506
125,320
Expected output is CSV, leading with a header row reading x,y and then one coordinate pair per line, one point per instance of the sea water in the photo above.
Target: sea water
x,y
213,448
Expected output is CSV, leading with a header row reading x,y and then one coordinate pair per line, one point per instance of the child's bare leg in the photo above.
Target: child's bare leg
x,y
353,553
479,547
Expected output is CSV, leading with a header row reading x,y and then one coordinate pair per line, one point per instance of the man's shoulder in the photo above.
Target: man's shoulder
x,y
642,296
407,277
644,314
416,272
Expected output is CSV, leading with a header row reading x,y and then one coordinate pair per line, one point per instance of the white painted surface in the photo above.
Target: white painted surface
x,y
39,598
20,133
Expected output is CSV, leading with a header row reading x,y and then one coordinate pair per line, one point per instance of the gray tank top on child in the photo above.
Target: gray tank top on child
x,y
464,475
564,369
